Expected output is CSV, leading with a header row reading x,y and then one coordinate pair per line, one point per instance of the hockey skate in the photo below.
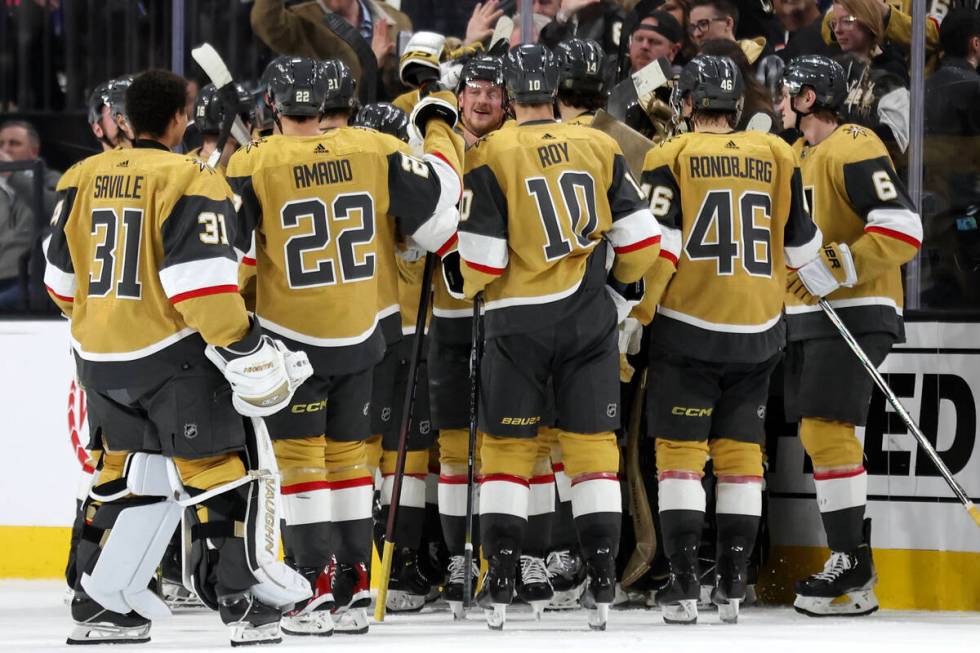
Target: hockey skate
x,y
731,574
567,576
352,596
96,625
497,590
250,621
679,600
533,586
313,616
409,587
600,589
453,591
845,587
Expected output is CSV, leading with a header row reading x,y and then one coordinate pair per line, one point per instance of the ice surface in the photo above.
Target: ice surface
x,y
33,617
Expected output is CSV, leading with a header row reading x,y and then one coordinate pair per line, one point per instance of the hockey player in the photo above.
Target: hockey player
x,y
580,80
323,208
860,204
208,116
733,215
101,118
482,98
143,236
541,261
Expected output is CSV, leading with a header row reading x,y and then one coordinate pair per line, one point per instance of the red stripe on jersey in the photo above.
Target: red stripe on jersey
x,y
596,476
839,473
486,269
448,245
70,300
442,157
248,260
680,475
897,235
203,292
669,256
351,482
507,478
646,242
309,486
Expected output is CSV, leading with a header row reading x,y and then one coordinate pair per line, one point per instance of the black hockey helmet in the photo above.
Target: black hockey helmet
x,y
714,83
384,117
824,75
531,74
96,100
341,87
297,86
483,68
209,112
580,65
116,95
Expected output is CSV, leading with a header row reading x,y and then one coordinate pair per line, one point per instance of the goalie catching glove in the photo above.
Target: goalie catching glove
x,y
263,374
833,268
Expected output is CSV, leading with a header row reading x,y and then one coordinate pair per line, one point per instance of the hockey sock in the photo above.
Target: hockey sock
x,y
682,503
306,502
351,496
540,514
738,508
505,492
411,505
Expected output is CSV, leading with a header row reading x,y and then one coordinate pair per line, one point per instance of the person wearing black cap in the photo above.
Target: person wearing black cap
x,y
657,35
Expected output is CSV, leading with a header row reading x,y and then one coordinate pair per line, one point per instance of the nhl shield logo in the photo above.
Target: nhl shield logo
x,y
761,412
612,409
190,431
386,414
424,427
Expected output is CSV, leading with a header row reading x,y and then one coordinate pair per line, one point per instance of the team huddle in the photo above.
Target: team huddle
x,y
245,333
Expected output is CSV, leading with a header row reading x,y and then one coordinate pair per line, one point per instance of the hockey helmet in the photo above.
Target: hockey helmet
x,y
824,75
531,74
384,117
486,69
209,112
341,86
96,100
297,86
714,83
116,95
580,64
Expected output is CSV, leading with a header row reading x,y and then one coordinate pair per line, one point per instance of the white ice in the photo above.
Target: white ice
x,y
33,617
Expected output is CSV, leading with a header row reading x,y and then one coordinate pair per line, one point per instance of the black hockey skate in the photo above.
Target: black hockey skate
x,y
731,583
533,586
96,625
250,621
497,590
845,587
566,571
600,589
453,590
352,596
409,585
679,599
312,617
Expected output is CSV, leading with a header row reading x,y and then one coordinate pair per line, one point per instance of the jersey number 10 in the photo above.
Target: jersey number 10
x,y
570,183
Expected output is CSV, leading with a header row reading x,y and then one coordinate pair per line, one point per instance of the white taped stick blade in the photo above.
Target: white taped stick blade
x,y
649,78
213,65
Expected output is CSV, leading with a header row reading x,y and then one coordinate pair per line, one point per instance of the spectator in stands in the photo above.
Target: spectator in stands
x,y
656,35
596,20
801,22
16,236
896,20
718,19
19,141
878,96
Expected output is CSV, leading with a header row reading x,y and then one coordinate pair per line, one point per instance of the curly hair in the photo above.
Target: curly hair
x,y
153,99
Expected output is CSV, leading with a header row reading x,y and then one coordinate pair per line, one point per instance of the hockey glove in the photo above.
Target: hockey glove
x,y
452,274
624,295
630,336
436,103
263,374
833,268
419,64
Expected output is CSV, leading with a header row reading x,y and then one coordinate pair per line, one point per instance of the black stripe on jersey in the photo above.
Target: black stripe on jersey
x,y
249,214
413,191
663,176
58,253
624,197
865,193
800,228
189,234
487,214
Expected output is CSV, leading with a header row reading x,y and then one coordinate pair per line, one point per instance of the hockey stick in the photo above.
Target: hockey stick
x,y
476,355
214,67
643,525
408,407
900,409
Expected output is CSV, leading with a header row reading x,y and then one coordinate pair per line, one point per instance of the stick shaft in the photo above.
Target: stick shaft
x,y
476,355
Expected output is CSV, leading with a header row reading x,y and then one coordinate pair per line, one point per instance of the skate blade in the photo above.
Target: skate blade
x,y
537,608
314,624
728,612
852,604
87,634
566,599
353,621
599,616
496,616
249,635
399,601
683,612
458,610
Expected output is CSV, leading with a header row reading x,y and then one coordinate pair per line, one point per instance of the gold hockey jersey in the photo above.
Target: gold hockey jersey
x,y
141,258
540,203
324,211
856,198
733,215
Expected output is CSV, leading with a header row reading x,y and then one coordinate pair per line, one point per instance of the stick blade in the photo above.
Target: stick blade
x,y
213,65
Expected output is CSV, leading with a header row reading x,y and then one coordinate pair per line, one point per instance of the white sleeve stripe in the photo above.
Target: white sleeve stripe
x,y
483,250
670,240
901,220
59,281
799,255
451,187
195,275
633,228
439,228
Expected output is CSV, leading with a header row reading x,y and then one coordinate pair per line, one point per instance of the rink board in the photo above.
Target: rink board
x,y
923,539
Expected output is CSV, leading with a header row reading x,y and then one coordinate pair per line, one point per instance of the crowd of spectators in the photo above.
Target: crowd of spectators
x,y
870,37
